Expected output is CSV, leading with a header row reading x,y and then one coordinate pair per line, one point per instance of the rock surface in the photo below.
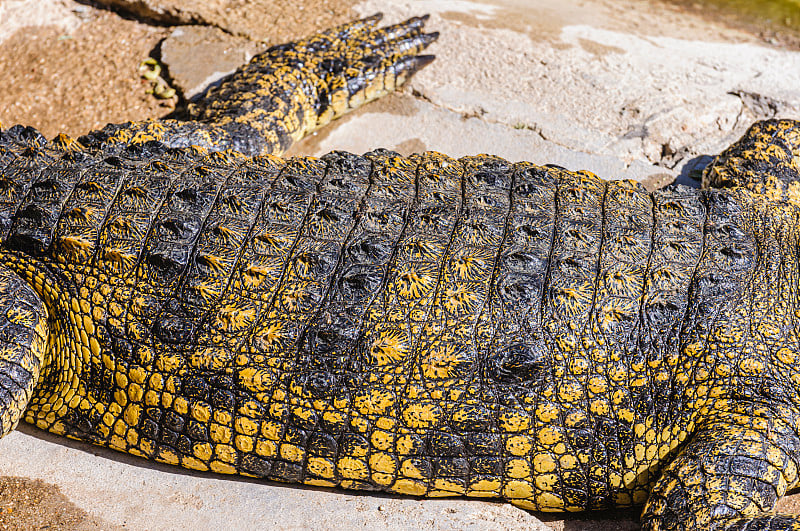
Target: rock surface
x,y
73,68
132,493
15,14
595,89
197,56
275,21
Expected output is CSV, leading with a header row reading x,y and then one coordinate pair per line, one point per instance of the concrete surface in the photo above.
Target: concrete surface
x,y
624,88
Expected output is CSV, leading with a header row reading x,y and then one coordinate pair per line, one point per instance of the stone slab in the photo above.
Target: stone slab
x,y
198,56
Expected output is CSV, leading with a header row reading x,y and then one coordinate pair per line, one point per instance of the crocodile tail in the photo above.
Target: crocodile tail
x,y
293,89
765,160
23,342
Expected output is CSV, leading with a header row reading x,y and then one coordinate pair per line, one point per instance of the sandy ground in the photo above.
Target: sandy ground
x,y
625,88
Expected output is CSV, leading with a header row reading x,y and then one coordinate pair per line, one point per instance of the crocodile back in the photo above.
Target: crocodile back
x,y
419,325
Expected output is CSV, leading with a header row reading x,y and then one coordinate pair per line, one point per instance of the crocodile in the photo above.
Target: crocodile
x,y
417,325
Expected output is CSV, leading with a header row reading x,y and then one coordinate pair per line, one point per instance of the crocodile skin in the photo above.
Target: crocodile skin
x,y
289,90
418,325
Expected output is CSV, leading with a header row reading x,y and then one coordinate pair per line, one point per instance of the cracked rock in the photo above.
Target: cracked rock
x,y
275,21
761,106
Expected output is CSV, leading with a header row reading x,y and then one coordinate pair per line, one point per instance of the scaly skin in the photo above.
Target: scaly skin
x,y
289,91
418,325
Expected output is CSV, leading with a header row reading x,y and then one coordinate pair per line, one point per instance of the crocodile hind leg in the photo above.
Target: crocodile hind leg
x,y
765,160
23,342
289,90
728,477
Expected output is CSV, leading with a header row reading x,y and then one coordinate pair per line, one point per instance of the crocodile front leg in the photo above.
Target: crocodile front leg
x,y
23,343
729,477
289,91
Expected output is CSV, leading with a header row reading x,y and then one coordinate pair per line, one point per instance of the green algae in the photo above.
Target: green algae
x,y
769,16
776,12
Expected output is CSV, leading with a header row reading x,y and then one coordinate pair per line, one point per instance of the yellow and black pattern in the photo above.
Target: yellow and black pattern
x,y
288,91
765,160
23,343
418,325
